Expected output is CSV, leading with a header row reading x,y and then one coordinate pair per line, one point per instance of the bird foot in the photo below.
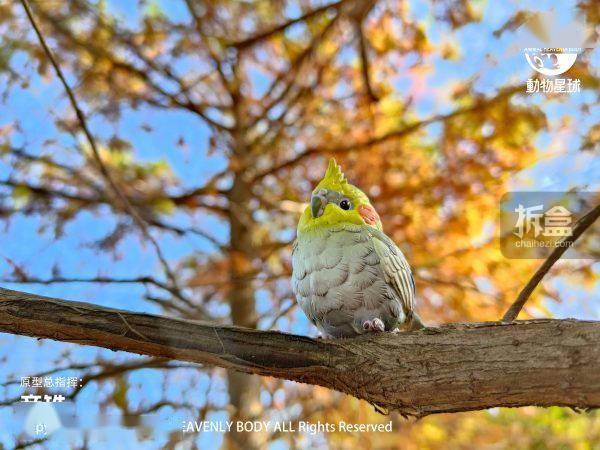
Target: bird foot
x,y
376,325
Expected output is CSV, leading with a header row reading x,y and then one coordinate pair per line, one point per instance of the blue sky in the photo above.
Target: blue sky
x,y
22,243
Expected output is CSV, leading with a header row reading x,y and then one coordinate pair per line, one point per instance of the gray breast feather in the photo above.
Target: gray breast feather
x,y
346,275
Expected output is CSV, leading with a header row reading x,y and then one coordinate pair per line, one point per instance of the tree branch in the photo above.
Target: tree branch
x,y
26,444
395,134
112,183
49,192
363,50
261,36
458,367
585,222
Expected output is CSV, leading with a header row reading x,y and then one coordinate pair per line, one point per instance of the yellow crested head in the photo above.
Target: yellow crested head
x,y
334,178
336,201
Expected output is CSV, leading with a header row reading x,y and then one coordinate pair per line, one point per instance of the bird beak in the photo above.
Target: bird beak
x,y
317,205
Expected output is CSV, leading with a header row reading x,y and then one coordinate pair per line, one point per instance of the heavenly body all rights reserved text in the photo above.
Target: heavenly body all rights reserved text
x,y
312,428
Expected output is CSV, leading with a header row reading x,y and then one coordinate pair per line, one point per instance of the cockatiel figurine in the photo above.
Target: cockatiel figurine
x,y
348,276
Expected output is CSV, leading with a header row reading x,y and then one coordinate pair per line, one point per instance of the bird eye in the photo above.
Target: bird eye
x,y
345,204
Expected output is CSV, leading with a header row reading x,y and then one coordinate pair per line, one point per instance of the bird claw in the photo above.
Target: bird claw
x,y
375,325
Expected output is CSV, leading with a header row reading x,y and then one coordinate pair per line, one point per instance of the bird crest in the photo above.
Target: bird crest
x,y
334,177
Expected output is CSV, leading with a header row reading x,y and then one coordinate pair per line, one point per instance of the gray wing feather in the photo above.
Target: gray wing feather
x,y
395,269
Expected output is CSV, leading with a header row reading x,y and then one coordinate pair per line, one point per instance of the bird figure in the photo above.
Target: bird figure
x,y
349,278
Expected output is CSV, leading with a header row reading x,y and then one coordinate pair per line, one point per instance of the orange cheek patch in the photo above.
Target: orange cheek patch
x,y
368,214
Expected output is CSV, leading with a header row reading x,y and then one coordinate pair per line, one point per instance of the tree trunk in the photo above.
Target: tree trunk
x,y
244,390
459,367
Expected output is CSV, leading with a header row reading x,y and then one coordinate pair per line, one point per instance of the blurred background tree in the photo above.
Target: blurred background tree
x,y
215,119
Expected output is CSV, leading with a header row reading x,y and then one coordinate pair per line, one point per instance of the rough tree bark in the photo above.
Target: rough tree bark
x,y
244,390
458,367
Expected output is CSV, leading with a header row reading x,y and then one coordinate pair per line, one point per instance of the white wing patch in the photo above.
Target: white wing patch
x,y
396,269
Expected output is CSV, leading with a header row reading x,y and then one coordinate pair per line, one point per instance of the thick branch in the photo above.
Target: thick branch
x,y
455,368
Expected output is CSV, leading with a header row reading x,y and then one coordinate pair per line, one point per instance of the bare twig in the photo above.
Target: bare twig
x,y
281,313
290,74
44,191
168,304
365,66
213,56
158,405
163,70
188,311
31,443
585,222
72,172
282,27
94,147
396,134
99,279
180,231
